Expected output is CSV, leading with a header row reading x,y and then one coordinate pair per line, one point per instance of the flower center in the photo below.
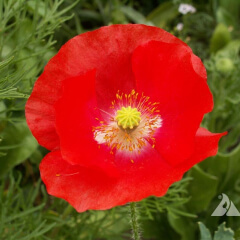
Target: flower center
x,y
128,117
132,123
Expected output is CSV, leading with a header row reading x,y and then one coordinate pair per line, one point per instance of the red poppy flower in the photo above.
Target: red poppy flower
x,y
120,109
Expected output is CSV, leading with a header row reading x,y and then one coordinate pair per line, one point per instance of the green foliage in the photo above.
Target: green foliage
x,y
228,12
222,233
18,144
26,45
181,225
205,233
197,31
220,38
134,15
174,198
163,14
206,183
20,218
224,65
171,209
27,213
8,82
26,42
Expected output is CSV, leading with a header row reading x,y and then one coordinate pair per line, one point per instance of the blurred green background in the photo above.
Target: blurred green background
x,y
31,32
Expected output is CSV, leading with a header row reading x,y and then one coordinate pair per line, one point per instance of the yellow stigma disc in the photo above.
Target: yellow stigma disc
x,y
128,117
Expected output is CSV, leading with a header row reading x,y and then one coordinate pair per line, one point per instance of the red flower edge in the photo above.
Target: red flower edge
x,y
78,87
88,188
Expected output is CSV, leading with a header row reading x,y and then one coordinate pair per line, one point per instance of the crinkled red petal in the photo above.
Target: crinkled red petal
x,y
108,50
170,74
76,114
206,145
90,188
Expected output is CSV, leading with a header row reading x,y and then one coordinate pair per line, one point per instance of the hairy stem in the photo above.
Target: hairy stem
x,y
134,221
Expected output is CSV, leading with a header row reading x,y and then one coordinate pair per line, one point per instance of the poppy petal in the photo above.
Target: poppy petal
x,y
82,187
108,50
40,112
90,188
165,72
206,145
87,188
76,114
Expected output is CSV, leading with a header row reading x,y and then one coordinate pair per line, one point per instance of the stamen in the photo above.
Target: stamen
x,y
66,175
134,125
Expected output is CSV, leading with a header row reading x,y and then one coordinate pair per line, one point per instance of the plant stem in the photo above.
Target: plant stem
x,y
134,221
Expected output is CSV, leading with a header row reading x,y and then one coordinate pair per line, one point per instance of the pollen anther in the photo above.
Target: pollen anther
x,y
131,129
